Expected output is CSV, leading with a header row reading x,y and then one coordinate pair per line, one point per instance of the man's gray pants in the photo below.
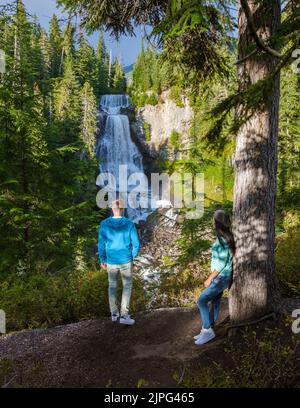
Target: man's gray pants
x,y
126,275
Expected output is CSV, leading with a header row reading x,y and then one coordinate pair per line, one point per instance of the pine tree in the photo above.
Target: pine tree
x,y
86,65
88,118
68,45
141,72
254,292
55,44
44,47
102,61
119,81
66,100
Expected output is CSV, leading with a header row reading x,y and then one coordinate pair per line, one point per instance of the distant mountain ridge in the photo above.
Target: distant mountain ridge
x,y
128,69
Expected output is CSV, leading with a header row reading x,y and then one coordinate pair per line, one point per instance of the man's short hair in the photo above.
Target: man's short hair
x,y
119,204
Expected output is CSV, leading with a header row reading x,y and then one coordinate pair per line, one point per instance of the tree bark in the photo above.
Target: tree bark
x,y
254,290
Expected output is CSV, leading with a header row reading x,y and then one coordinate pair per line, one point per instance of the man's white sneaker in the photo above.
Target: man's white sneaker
x,y
114,317
205,336
127,320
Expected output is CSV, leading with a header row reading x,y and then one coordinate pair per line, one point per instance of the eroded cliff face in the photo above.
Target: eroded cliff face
x,y
155,124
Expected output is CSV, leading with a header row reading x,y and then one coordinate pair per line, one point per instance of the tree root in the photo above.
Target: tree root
x,y
181,377
231,329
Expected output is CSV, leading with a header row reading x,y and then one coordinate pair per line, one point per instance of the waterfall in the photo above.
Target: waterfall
x,y
115,147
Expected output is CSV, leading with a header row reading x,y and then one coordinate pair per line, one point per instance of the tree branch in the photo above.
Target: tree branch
x,y
259,42
247,56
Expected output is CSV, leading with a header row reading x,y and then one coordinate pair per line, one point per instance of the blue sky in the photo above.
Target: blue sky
x,y
127,47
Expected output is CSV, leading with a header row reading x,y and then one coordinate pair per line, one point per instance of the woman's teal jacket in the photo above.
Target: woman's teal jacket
x,y
221,258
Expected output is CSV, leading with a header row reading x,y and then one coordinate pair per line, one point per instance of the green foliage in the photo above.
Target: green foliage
x,y
193,33
261,360
147,131
140,100
55,45
151,100
205,131
86,63
142,71
118,79
150,76
288,208
184,274
288,258
219,181
289,141
102,61
181,289
175,95
42,299
194,242
175,140
141,383
88,114
6,372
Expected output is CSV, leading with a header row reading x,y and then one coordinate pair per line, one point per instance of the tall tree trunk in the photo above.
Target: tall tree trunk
x,y
254,291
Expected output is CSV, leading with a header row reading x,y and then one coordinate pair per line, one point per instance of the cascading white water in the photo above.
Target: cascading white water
x,y
112,104
116,147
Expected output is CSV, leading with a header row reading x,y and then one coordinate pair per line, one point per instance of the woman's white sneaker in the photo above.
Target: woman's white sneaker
x,y
127,320
205,336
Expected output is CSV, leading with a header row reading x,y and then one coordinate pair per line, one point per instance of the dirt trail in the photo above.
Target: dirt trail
x,y
99,353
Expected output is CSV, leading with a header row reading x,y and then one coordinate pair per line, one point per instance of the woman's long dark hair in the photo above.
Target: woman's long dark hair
x,y
223,229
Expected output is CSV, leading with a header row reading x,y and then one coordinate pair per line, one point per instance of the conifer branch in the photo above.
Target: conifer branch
x,y
240,61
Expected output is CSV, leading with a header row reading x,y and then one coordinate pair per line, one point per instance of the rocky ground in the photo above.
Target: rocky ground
x,y
159,235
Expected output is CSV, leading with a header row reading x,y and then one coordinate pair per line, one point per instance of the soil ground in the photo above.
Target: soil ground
x,y
156,352
100,353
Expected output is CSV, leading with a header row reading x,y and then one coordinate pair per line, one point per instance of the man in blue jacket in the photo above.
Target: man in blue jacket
x,y
118,245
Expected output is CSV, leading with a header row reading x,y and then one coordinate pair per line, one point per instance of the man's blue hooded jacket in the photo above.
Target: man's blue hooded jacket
x,y
118,241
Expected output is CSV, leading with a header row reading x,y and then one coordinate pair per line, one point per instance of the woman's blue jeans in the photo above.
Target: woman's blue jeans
x,y
209,301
